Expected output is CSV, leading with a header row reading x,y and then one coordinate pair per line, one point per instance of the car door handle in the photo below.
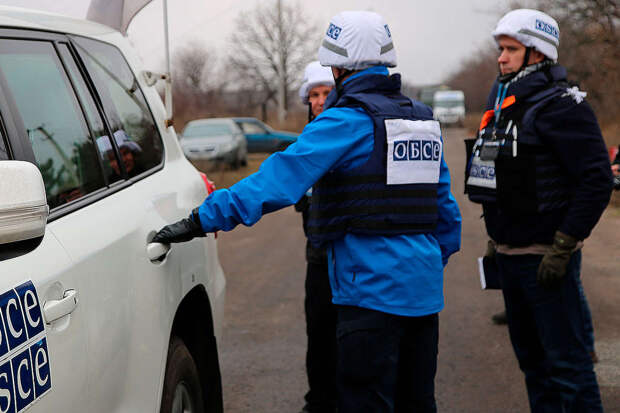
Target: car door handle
x,y
156,251
55,309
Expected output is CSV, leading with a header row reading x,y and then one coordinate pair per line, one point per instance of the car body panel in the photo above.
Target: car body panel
x,y
261,138
67,337
109,354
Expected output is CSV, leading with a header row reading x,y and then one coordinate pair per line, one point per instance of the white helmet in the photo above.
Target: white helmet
x,y
315,75
532,28
357,40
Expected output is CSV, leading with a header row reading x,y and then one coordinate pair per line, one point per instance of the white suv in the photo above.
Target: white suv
x,y
94,317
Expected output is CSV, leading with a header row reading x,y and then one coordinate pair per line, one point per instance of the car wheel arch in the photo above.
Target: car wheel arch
x,y
193,324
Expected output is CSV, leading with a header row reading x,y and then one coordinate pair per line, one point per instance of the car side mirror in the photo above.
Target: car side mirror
x,y
23,206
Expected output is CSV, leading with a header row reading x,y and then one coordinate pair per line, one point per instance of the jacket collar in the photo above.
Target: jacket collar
x,y
530,84
375,79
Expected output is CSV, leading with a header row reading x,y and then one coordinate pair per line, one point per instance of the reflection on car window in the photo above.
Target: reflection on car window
x,y
63,148
108,160
251,127
125,106
211,129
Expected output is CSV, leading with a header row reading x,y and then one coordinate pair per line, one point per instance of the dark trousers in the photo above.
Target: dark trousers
x,y
548,336
321,330
386,363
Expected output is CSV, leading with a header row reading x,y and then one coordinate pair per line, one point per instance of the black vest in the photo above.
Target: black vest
x,y
360,200
509,164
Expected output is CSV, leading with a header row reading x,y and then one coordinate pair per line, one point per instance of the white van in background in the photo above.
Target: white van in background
x,y
449,106
93,316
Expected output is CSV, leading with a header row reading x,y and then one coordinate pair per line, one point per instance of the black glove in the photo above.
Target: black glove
x,y
552,268
181,231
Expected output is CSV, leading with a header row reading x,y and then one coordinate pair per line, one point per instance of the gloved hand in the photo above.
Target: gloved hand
x,y
491,251
181,231
552,268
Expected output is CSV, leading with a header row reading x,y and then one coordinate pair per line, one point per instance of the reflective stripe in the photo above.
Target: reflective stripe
x,y
488,115
336,49
486,118
387,47
539,36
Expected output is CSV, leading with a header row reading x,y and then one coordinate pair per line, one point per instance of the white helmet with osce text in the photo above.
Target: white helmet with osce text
x,y
532,28
357,40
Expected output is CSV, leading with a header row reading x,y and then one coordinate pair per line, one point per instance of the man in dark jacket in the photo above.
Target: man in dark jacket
x,y
540,170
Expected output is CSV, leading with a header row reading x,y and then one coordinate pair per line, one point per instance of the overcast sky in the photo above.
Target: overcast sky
x,y
431,37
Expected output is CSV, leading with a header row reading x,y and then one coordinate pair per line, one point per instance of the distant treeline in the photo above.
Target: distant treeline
x,y
589,49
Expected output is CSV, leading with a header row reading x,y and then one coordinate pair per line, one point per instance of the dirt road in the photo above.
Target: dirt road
x,y
262,353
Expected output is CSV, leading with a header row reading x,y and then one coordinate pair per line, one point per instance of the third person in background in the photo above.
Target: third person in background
x,y
320,312
541,172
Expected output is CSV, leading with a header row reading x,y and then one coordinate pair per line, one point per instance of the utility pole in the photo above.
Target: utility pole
x,y
282,71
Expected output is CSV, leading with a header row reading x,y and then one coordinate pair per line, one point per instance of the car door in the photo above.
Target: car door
x,y
257,136
133,299
43,362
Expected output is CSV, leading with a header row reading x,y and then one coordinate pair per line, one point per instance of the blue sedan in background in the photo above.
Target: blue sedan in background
x,y
261,138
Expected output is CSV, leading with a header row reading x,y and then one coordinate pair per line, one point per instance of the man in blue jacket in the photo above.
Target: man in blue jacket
x,y
540,170
382,207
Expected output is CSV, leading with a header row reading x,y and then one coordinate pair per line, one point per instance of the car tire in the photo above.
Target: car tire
x,y
182,389
244,161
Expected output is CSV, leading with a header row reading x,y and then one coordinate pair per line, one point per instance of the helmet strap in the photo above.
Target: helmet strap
x,y
340,79
310,114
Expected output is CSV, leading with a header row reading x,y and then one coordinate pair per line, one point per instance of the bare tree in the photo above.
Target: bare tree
x,y
194,66
270,47
589,49
195,87
475,76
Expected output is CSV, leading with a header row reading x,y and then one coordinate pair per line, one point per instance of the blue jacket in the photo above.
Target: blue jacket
x,y
395,192
400,274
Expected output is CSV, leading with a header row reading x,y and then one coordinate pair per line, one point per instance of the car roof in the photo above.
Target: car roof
x,y
17,17
245,119
210,120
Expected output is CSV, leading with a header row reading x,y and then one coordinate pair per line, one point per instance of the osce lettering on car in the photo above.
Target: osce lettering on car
x,y
333,31
24,360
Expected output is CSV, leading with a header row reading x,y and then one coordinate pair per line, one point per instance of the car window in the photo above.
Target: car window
x,y
4,153
130,119
63,148
251,128
106,154
210,129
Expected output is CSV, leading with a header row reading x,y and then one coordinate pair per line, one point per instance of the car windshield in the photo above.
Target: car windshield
x,y
207,130
448,103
